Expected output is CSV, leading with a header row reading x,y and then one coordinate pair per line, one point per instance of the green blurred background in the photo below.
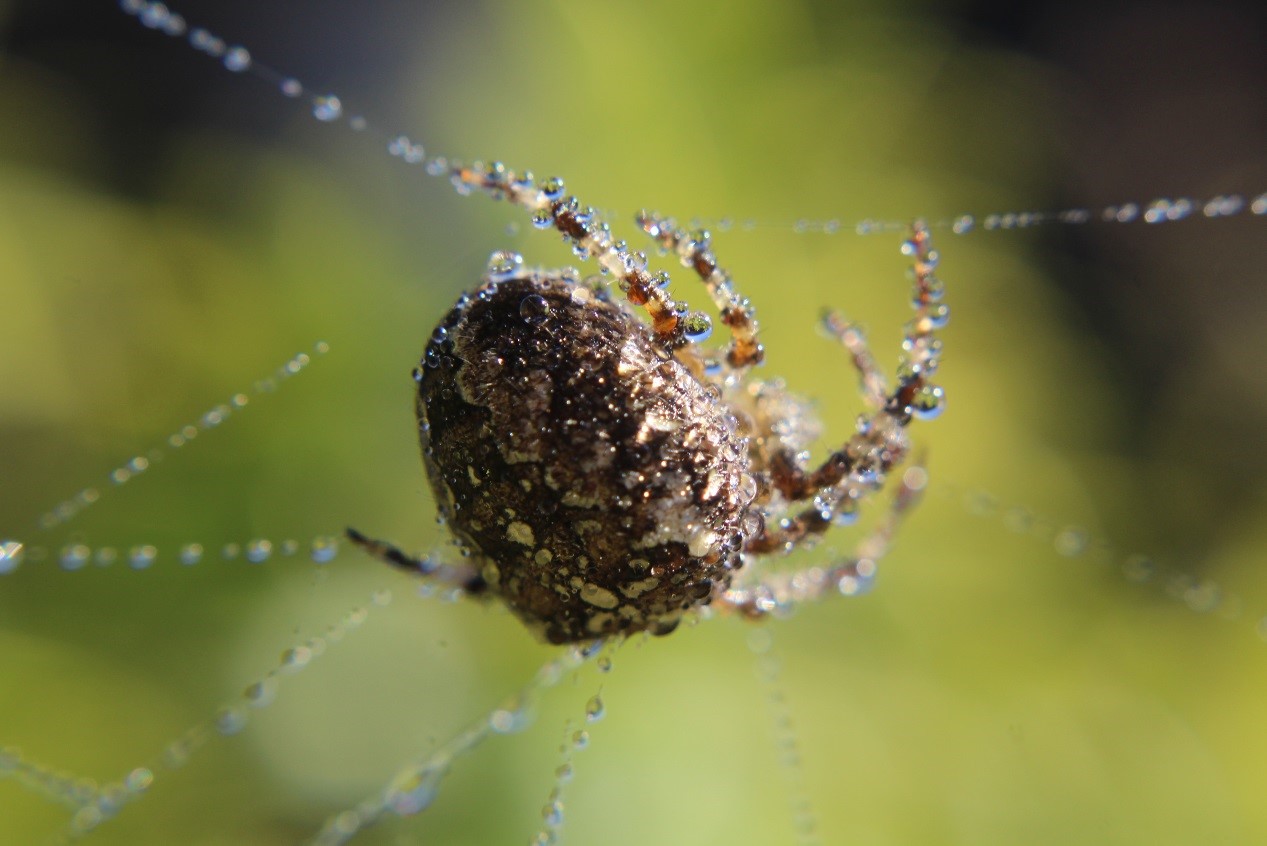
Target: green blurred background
x,y
170,233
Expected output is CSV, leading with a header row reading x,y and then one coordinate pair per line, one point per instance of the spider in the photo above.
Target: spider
x,y
604,475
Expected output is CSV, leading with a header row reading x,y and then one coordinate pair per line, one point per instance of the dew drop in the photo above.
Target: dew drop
x,y
1139,568
503,265
414,790
260,693
141,557
324,549
74,556
928,402
509,720
296,658
237,59
327,108
230,721
1071,541
86,819
697,327
580,739
553,188
10,556
190,554
594,709
291,87
259,550
176,755
139,780
534,309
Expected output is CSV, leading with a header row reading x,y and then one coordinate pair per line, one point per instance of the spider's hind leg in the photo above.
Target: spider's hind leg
x,y
880,444
465,578
780,593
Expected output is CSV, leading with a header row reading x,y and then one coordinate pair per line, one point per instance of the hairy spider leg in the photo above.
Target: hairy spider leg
x,y
875,388
860,467
590,236
694,249
781,593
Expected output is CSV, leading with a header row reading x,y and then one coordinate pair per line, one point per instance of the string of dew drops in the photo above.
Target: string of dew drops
x,y
553,813
140,556
93,804
330,108
415,785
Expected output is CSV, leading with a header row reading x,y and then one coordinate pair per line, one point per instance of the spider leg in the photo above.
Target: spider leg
x,y
694,250
671,321
782,592
465,578
875,389
860,467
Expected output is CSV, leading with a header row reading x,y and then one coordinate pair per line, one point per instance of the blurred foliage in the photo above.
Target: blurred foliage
x,y
169,234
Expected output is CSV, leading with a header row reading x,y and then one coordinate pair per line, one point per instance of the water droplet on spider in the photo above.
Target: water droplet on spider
x,y
553,188
534,309
595,709
327,108
928,402
846,515
503,265
542,219
696,327
939,315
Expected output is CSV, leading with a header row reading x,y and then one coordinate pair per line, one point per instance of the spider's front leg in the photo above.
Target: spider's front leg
x,y
465,577
694,249
672,322
860,467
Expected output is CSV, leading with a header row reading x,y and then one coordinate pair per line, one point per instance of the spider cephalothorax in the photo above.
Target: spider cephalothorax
x,y
605,474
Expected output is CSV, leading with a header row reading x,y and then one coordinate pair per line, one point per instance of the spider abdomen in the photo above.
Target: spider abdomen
x,y
598,484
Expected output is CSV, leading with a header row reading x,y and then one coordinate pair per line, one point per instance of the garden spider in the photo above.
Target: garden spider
x,y
606,477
